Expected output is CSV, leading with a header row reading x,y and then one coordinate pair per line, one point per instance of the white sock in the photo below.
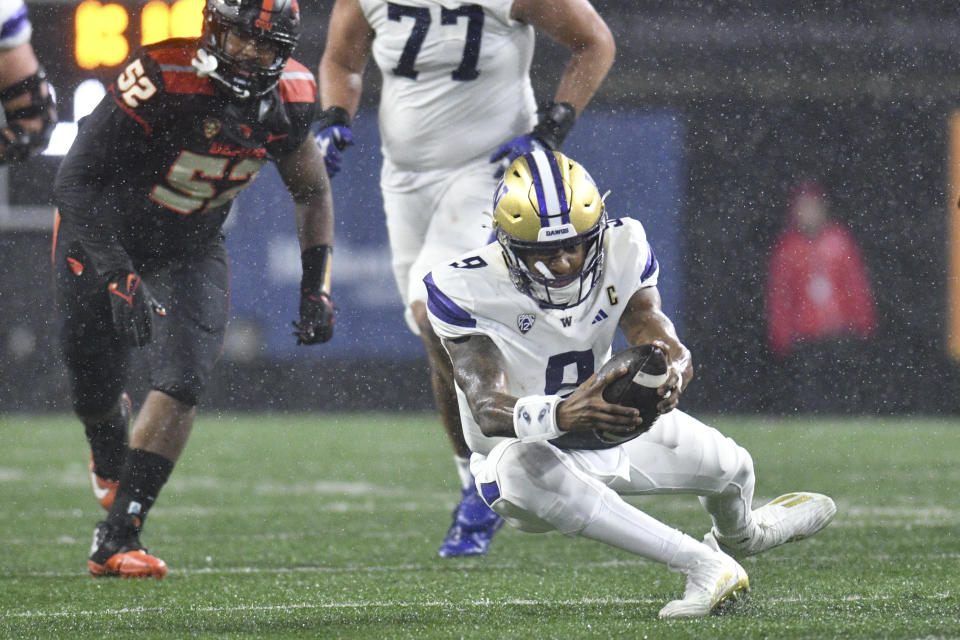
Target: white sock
x,y
463,469
623,526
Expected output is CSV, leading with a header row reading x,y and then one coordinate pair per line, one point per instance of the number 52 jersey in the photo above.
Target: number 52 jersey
x,y
546,351
160,158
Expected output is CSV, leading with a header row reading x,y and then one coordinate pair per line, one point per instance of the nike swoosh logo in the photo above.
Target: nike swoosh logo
x,y
98,489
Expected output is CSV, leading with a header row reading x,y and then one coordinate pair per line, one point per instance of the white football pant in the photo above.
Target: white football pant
x,y
432,217
537,487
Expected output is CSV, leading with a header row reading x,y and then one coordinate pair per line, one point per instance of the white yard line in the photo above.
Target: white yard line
x,y
486,566
476,604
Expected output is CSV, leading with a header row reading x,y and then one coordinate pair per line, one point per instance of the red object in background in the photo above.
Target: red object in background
x,y
817,284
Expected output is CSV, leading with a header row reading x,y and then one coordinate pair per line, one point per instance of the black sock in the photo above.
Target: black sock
x,y
108,444
142,476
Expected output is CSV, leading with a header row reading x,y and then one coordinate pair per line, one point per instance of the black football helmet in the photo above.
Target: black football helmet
x,y
275,27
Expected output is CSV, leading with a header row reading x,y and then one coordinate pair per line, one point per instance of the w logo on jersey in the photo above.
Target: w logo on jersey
x,y
566,321
525,322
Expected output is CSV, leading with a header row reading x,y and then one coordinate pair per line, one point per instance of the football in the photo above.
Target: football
x,y
637,388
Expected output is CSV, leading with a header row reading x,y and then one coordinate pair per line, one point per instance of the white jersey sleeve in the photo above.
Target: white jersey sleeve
x,y
545,351
456,81
15,26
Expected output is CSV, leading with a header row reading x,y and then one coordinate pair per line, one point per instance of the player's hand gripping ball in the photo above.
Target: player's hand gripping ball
x,y
646,371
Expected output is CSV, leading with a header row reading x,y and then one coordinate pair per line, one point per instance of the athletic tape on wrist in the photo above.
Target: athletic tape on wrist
x,y
316,262
535,418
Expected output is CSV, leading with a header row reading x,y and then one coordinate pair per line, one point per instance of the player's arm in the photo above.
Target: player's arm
x,y
96,155
303,174
306,179
27,103
479,369
644,322
26,96
107,143
349,39
576,25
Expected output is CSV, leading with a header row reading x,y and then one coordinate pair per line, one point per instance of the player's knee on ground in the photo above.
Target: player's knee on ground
x,y
541,491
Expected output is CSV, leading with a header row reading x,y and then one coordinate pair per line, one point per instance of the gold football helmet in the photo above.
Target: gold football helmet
x,y
546,202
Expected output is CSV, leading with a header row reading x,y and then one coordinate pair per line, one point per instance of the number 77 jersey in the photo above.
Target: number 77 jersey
x,y
456,79
167,152
545,351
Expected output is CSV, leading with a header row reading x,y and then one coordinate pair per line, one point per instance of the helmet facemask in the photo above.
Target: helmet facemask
x,y
555,292
574,215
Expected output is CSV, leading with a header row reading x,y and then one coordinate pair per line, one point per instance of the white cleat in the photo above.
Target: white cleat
x,y
791,517
711,582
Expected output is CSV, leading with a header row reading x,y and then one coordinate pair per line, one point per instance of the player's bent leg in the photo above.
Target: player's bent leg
x,y
107,437
538,488
788,518
680,454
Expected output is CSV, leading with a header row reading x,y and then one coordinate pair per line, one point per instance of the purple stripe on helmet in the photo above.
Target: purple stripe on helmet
x,y
538,187
445,308
15,23
561,194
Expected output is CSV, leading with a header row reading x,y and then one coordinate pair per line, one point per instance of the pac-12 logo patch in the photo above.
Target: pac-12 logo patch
x,y
211,127
525,322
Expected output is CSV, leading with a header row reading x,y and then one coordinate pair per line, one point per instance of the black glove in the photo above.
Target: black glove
x,y
132,306
17,141
316,318
316,309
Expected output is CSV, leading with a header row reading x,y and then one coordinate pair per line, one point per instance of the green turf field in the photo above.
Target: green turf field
x,y
295,526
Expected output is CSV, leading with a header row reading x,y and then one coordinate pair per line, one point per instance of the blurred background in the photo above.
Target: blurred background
x,y
713,117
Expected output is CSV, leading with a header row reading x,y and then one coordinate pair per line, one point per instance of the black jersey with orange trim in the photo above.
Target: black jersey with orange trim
x,y
155,166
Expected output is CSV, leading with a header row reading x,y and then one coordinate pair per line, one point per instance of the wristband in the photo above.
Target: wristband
x,y
334,117
316,263
535,418
555,123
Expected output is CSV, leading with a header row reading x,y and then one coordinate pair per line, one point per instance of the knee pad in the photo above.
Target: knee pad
x,y
740,474
542,487
186,389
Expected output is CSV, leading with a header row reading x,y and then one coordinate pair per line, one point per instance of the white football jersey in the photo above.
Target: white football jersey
x,y
547,351
456,81
14,24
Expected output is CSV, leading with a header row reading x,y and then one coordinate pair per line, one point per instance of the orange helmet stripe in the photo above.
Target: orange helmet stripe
x,y
266,8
